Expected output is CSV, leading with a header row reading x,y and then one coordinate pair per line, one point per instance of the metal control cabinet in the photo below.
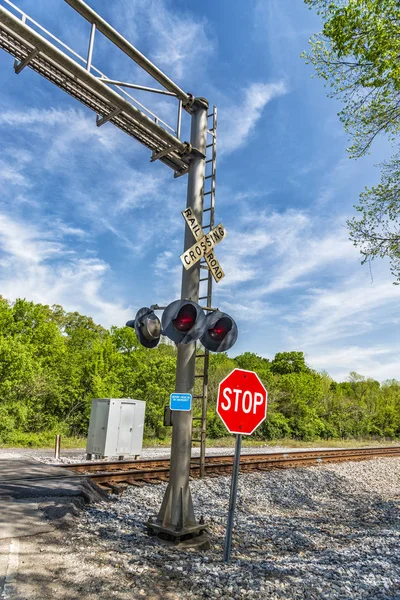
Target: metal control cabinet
x,y
116,427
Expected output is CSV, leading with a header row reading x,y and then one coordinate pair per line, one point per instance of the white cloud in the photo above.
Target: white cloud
x,y
308,256
353,308
100,183
281,250
238,121
240,253
302,277
74,130
178,43
377,361
139,189
36,265
163,262
12,173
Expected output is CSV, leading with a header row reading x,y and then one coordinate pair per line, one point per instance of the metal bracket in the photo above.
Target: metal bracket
x,y
209,308
101,120
180,173
197,153
164,152
188,106
18,66
156,307
135,86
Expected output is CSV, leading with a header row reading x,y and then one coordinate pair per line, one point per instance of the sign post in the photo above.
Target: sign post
x,y
232,499
242,406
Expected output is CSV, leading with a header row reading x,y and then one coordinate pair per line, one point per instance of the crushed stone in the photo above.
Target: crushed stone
x,y
324,532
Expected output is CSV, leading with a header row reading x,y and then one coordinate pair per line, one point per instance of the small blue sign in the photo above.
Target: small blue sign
x,y
180,401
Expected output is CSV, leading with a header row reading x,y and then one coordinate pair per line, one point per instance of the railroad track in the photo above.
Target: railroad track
x,y
110,474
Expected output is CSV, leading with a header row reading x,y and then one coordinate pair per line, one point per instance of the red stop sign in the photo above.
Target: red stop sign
x,y
242,402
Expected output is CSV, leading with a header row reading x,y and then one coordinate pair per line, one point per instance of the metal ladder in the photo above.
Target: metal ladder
x,y
205,292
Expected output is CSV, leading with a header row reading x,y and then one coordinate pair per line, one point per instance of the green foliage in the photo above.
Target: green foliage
x,y
357,55
53,363
276,426
376,231
289,362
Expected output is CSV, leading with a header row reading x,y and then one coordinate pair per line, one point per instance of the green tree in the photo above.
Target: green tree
x,y
289,362
357,54
53,363
301,402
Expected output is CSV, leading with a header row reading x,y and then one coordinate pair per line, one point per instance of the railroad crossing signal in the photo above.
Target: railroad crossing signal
x,y
220,332
32,46
203,246
242,402
184,321
147,327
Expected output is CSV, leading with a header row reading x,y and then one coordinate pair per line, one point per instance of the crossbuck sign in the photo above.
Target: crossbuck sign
x,y
204,245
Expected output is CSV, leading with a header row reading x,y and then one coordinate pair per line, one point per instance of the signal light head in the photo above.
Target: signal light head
x,y
185,318
183,321
220,333
221,328
147,327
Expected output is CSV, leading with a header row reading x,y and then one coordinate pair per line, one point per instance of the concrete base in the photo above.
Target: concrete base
x,y
195,536
201,542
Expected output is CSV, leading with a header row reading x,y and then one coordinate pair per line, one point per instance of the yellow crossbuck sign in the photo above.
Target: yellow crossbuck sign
x,y
203,246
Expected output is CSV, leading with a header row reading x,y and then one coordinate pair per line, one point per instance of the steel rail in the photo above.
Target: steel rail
x,y
153,469
147,462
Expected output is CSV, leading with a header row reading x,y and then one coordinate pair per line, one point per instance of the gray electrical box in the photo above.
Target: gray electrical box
x,y
116,427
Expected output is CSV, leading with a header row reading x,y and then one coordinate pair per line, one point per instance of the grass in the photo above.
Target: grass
x,y
74,443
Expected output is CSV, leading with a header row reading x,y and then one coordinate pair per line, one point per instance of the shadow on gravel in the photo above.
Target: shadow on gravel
x,y
300,535
47,571
343,543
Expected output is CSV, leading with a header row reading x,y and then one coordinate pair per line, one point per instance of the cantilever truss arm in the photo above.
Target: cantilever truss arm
x,y
34,51
116,38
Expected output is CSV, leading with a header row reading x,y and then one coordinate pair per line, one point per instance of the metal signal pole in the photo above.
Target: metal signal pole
x,y
34,47
176,519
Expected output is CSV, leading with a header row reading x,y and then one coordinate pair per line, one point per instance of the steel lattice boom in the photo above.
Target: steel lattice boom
x,y
30,49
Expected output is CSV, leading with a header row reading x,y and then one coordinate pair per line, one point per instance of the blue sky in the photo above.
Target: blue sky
x,y
87,222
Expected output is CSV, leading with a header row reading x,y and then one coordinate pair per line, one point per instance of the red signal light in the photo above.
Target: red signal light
x,y
186,318
221,328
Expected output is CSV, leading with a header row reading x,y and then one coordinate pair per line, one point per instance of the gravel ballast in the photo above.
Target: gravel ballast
x,y
159,452
307,533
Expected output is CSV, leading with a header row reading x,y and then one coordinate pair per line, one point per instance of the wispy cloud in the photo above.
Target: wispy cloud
x,y
36,264
378,361
72,126
239,121
280,250
351,309
170,34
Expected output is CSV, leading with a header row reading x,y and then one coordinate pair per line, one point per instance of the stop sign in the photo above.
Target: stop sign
x,y
242,401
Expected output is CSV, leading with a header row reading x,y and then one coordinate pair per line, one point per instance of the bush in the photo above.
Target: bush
x,y
275,426
215,427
